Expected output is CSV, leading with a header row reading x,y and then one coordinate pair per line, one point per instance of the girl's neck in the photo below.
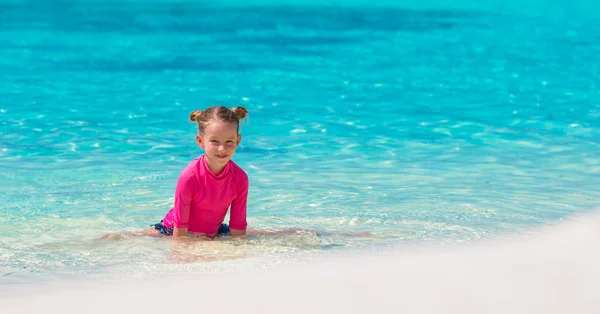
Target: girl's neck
x,y
216,170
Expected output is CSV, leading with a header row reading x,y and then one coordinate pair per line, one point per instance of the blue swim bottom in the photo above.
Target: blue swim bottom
x,y
223,229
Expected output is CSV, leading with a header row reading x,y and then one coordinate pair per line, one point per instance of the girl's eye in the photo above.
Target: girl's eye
x,y
213,141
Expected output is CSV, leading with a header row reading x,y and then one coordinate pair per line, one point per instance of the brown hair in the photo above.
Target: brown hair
x,y
218,113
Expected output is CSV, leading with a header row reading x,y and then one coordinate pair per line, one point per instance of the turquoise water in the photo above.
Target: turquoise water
x,y
431,122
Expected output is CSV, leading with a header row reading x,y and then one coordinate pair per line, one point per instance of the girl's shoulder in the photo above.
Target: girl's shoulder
x,y
191,169
238,172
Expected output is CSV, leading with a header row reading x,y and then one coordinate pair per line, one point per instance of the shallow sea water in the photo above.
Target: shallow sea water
x,y
423,123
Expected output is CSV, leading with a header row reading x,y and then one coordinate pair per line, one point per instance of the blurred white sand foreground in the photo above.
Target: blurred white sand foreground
x,y
552,270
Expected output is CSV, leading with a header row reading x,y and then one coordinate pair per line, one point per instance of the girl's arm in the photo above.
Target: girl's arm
x,y
237,217
184,192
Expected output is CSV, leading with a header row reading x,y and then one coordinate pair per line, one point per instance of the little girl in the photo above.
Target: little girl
x,y
212,183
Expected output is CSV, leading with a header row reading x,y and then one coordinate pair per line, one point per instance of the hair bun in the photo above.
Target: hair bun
x,y
195,115
240,112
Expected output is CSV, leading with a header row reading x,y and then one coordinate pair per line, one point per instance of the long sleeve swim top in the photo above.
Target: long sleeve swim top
x,y
202,198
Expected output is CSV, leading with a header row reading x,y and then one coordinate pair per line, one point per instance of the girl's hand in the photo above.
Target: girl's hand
x,y
237,233
179,232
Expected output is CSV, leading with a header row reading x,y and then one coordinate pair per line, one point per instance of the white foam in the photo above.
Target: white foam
x,y
554,270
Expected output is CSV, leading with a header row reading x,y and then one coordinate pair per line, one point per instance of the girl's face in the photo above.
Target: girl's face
x,y
219,141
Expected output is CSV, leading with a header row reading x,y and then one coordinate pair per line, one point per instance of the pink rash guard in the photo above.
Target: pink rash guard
x,y
202,198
